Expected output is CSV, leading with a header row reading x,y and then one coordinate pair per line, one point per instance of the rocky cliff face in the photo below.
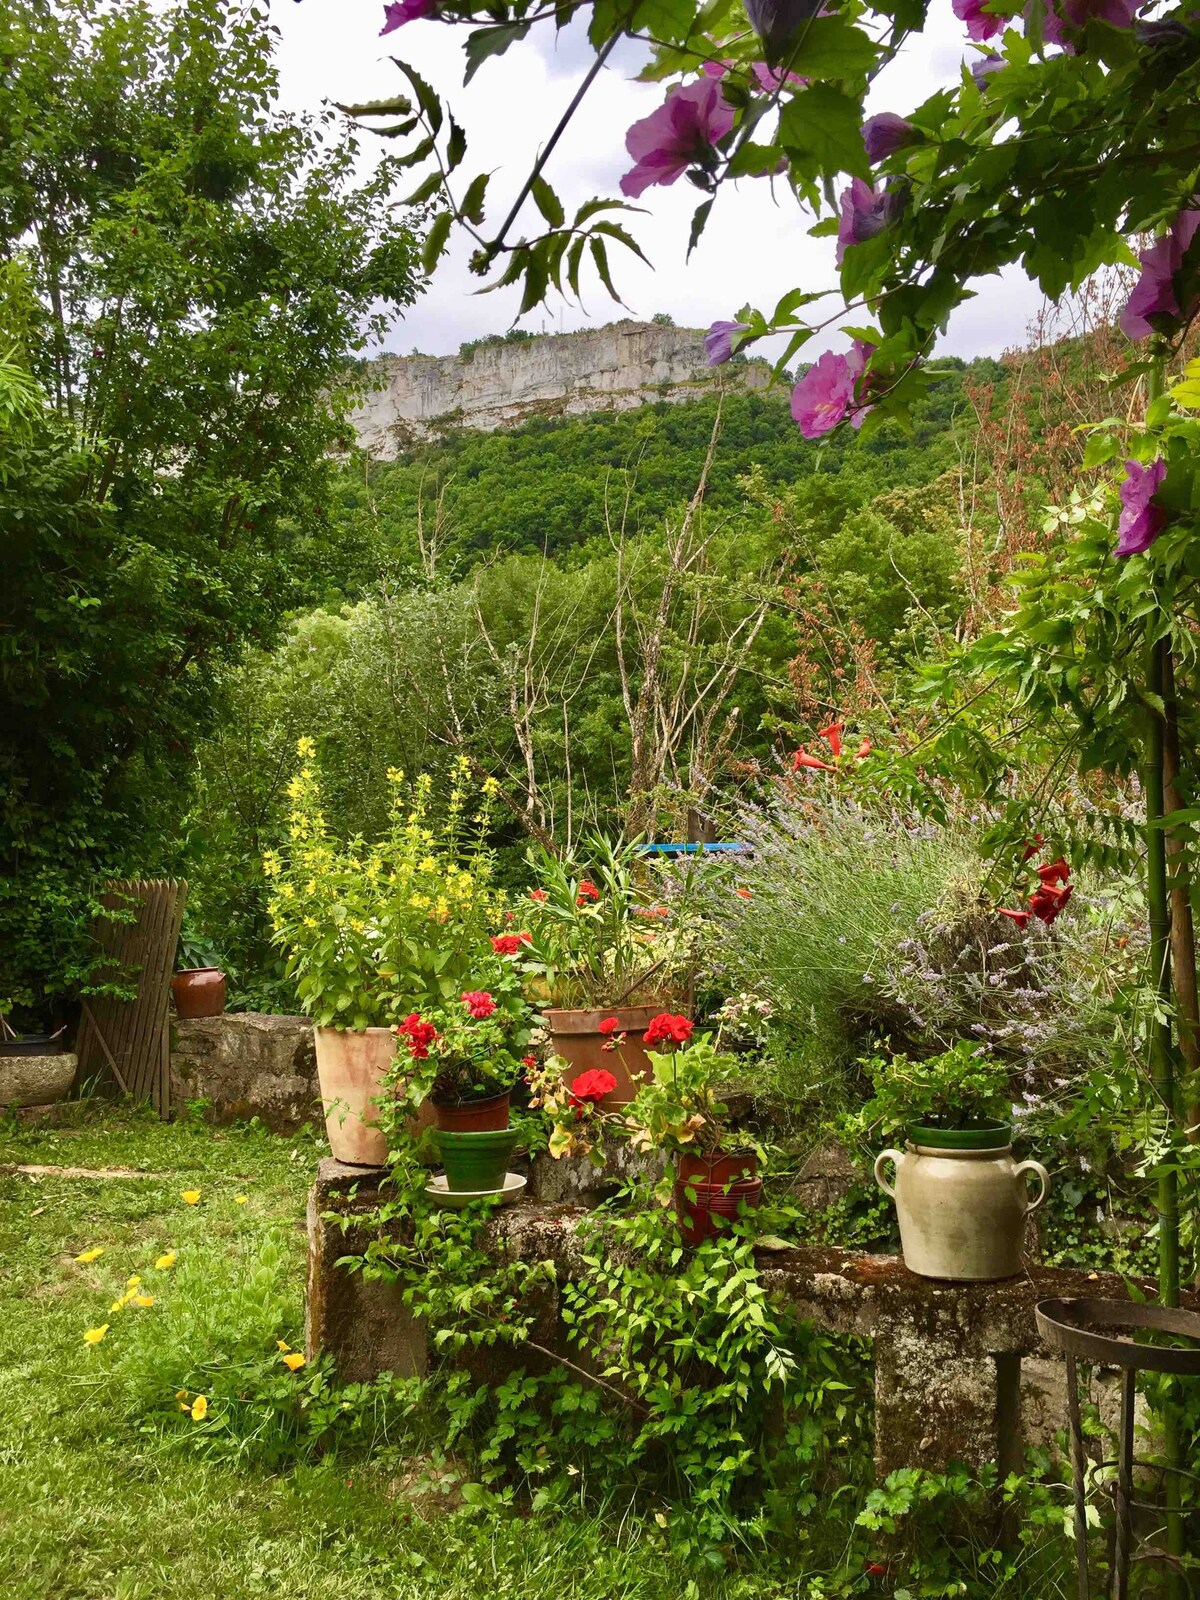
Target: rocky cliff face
x,y
565,374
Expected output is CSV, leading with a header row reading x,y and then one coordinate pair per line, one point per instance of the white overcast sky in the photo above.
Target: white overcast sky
x,y
756,246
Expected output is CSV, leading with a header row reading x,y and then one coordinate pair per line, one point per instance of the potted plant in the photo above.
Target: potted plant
x,y
198,986
676,1111
373,932
464,1059
603,948
961,1199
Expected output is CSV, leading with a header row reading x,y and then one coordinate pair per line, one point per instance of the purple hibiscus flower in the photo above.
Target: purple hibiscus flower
x,y
684,128
776,22
1154,305
866,211
399,12
718,341
885,134
983,66
1141,520
771,78
981,25
1065,17
825,393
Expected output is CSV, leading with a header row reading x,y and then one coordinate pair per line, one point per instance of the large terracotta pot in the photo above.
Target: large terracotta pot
x,y
961,1212
198,992
478,1115
351,1068
576,1036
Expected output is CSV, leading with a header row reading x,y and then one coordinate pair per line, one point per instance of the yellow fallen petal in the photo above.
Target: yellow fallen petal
x,y
91,1255
190,1197
133,1283
240,1199
143,1299
294,1361
184,1407
199,1408
117,1305
282,1344
165,1262
94,1335
181,1394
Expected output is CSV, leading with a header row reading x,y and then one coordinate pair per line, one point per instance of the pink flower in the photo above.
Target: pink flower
x,y
479,1003
679,134
1065,17
1141,520
718,341
866,211
1155,306
769,79
983,66
981,24
825,394
399,12
885,134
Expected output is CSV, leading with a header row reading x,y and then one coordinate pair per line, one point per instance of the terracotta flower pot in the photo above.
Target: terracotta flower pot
x,y
198,992
476,1163
576,1036
717,1166
705,1209
351,1068
473,1116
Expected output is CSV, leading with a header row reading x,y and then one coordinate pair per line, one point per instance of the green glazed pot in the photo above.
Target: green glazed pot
x,y
983,1136
476,1163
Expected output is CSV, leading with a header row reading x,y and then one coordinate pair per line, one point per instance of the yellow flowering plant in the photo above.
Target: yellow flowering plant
x,y
372,931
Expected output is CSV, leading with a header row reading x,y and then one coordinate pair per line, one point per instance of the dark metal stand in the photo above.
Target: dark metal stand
x,y
1104,1333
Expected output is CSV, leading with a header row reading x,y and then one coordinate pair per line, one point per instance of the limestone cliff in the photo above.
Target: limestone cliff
x,y
564,374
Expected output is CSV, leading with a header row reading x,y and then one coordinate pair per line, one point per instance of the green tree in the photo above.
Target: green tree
x,y
186,273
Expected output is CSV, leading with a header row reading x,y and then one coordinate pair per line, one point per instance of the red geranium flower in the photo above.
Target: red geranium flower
x,y
1021,918
479,1003
507,944
803,759
1054,872
587,891
608,1025
539,895
668,1028
420,1035
832,734
590,1087
529,1062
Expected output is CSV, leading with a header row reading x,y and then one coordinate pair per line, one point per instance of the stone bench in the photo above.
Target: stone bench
x,y
960,1373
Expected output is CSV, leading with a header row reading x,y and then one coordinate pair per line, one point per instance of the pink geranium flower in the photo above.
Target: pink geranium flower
x,y
1154,306
399,12
1141,520
825,394
682,131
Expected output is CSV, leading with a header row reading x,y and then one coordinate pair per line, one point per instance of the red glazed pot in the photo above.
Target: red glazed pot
x,y
199,992
576,1037
703,1210
717,1166
473,1116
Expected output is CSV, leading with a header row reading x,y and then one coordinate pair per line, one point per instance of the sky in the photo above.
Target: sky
x,y
756,246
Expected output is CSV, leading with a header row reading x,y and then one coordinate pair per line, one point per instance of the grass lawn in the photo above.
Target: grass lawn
x,y
109,1490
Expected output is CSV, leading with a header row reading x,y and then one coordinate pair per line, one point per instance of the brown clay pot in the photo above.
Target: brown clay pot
x,y
717,1166
199,992
576,1037
704,1210
473,1116
351,1068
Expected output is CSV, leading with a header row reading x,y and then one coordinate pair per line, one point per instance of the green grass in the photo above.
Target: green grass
x,y
109,1492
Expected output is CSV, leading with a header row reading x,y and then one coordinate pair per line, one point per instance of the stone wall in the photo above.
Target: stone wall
x,y
247,1064
605,369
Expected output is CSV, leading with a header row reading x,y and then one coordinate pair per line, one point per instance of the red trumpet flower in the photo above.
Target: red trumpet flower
x,y
832,734
1021,918
803,759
